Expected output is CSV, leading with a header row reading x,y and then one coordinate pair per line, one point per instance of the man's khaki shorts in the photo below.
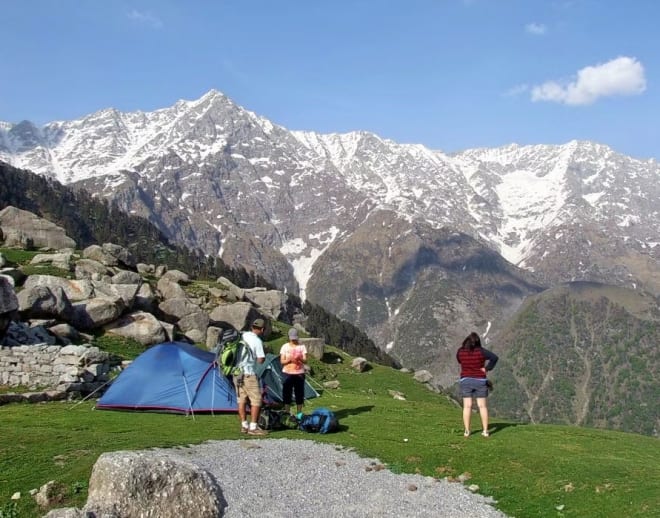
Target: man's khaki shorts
x,y
249,390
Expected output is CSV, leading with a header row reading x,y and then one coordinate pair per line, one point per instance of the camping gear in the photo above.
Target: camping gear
x,y
321,420
270,373
228,352
171,377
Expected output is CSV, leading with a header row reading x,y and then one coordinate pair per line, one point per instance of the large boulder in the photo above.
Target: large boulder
x,y
110,254
239,315
76,290
140,326
176,308
94,313
170,289
91,269
271,302
150,484
44,302
22,228
60,260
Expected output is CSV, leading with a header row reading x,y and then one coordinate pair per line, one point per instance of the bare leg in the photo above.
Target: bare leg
x,y
241,411
254,413
467,411
483,412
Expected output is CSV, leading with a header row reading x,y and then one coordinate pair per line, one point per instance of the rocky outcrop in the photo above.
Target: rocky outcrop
x,y
150,485
42,315
26,230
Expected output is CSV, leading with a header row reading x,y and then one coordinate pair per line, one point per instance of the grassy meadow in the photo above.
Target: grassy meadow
x,y
530,470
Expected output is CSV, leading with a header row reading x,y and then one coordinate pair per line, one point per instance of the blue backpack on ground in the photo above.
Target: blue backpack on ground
x,y
321,420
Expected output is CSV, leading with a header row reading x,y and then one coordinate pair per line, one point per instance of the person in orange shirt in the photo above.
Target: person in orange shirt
x,y
293,357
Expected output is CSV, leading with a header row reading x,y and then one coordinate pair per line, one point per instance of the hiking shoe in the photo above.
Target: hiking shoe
x,y
257,431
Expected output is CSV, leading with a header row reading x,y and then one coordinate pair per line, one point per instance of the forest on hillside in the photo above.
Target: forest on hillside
x,y
89,220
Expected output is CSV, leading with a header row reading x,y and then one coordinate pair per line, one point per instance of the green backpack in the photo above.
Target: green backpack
x,y
228,352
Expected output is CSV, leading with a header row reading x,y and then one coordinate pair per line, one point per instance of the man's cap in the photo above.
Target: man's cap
x,y
259,322
293,334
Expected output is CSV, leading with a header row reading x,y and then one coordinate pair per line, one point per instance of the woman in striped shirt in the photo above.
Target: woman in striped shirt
x,y
475,362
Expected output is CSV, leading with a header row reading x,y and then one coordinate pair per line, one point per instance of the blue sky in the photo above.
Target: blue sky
x,y
449,74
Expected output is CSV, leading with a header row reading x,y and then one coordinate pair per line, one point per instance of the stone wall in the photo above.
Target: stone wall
x,y
71,368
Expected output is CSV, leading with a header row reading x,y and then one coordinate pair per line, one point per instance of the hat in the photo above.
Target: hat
x,y
259,322
293,334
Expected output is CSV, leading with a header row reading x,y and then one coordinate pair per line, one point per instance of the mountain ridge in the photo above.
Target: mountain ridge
x,y
478,191
215,176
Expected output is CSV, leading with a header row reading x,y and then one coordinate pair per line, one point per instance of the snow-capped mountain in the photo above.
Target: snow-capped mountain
x,y
213,169
365,226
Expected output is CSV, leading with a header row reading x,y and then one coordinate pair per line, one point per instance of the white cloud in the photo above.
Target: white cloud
x,y
620,76
537,29
517,90
146,18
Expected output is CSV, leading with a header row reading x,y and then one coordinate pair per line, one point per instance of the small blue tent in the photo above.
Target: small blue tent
x,y
171,377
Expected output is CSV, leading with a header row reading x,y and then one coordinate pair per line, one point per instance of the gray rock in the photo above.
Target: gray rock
x,y
121,254
61,260
68,512
91,269
65,331
170,289
126,277
212,335
176,276
237,292
94,313
315,347
176,308
15,275
45,302
145,299
140,326
423,376
360,364
21,228
239,315
98,254
76,290
8,300
194,326
124,292
152,485
145,269
270,302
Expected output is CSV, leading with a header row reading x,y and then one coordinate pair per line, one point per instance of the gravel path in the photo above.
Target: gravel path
x,y
285,478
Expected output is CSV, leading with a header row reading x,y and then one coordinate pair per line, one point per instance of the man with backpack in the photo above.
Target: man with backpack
x,y
246,382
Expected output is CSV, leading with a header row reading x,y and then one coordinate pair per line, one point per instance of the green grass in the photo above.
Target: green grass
x,y
530,470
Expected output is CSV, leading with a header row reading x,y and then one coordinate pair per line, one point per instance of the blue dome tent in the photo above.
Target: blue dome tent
x,y
171,377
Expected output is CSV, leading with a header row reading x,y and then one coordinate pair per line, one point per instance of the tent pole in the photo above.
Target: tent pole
x,y
185,384
90,395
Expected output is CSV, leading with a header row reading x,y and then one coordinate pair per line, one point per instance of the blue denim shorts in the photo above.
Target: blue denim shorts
x,y
473,387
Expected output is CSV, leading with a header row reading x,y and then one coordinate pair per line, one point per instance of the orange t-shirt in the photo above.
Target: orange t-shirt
x,y
296,355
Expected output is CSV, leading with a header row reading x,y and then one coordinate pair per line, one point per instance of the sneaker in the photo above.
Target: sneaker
x,y
466,433
244,429
256,431
485,433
